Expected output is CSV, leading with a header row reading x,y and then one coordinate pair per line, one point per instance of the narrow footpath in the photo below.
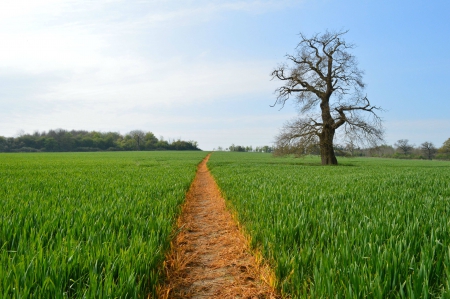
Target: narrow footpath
x,y
210,256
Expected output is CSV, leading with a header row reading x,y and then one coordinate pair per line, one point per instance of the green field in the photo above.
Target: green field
x,y
369,228
88,225
97,225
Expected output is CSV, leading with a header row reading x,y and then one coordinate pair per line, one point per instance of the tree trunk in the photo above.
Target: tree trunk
x,y
326,146
327,135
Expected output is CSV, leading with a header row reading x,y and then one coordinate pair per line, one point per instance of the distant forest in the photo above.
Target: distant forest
x,y
402,149
60,140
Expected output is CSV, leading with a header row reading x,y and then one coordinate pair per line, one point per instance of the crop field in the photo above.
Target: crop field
x,y
369,228
88,225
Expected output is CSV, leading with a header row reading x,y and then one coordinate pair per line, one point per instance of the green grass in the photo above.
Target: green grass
x,y
88,225
369,228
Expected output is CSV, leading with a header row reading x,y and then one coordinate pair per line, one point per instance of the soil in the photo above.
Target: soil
x,y
210,257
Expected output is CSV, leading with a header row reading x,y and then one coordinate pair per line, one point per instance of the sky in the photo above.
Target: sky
x,y
200,69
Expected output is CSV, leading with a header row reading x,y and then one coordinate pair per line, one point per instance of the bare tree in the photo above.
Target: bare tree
x,y
328,89
428,149
404,146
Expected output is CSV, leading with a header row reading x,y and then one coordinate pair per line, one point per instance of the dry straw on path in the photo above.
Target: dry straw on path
x,y
210,256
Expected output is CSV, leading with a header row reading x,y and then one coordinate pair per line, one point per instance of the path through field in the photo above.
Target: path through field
x,y
210,257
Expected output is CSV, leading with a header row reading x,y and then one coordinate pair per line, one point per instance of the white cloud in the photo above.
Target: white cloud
x,y
49,51
127,83
85,50
13,9
80,64
104,95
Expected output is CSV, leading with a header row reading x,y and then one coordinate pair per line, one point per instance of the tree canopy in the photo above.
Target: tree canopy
x,y
61,140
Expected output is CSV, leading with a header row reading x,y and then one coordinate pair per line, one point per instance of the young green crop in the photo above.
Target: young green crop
x,y
88,225
370,228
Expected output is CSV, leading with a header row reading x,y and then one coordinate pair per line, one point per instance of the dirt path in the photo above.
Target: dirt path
x,y
210,257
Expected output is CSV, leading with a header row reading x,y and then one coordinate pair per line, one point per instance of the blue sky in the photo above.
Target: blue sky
x,y
200,70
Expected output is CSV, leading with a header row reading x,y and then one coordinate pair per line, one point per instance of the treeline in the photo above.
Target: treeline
x,y
240,148
83,141
402,149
